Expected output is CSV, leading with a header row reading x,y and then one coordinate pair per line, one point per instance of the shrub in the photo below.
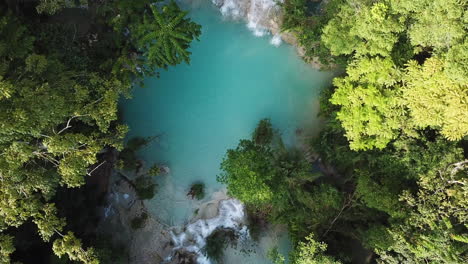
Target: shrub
x,y
218,241
197,191
128,154
263,134
139,221
145,187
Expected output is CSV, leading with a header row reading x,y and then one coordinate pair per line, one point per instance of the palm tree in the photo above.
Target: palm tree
x,y
165,35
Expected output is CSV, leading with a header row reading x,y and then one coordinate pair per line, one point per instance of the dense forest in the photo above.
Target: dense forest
x,y
63,67
393,150
390,184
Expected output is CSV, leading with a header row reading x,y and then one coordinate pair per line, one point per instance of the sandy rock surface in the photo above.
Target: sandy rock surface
x,y
149,244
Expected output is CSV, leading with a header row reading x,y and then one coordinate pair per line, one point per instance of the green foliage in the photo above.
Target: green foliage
x,y
456,62
311,252
275,257
145,187
434,23
387,92
197,190
128,155
48,222
51,7
218,241
285,191
378,196
60,82
306,20
373,30
154,170
370,116
435,100
6,248
311,208
409,182
246,166
263,134
396,121
139,221
108,252
378,237
70,246
165,35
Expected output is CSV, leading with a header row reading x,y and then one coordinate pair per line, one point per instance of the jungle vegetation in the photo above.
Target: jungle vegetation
x,y
396,124
63,67
396,127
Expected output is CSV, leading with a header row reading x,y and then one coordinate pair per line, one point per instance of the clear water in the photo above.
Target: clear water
x,y
200,110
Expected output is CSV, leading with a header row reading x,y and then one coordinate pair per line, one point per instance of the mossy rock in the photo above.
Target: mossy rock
x,y
145,188
139,221
197,190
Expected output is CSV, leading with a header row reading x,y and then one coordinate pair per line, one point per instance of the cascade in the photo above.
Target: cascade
x,y
192,238
262,16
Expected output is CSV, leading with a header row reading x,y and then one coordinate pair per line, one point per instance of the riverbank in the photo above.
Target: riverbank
x,y
264,17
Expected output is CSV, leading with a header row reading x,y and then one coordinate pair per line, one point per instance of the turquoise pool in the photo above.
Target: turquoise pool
x,y
202,109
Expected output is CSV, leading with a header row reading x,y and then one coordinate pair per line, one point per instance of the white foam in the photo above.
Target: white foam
x,y
193,238
107,211
257,13
276,40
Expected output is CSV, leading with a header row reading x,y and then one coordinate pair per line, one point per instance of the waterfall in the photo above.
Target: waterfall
x,y
193,236
262,16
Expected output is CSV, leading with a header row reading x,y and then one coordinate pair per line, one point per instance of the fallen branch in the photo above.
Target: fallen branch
x,y
97,167
348,202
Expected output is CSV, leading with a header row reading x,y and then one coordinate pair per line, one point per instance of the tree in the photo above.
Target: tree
x,y
6,248
371,109
306,21
71,246
435,100
381,99
439,24
50,7
263,134
284,190
246,166
456,63
435,231
363,28
395,133
165,35
379,196
59,91
275,257
312,252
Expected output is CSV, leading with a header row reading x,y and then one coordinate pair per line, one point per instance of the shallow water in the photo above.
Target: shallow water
x,y
200,110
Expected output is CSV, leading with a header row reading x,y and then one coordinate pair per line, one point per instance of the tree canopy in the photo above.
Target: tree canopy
x,y
384,93
395,136
61,77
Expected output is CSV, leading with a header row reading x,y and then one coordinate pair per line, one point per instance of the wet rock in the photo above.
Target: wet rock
x,y
182,256
193,237
165,169
149,243
263,17
209,209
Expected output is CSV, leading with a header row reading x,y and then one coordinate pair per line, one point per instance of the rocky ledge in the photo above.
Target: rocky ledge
x,y
127,220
